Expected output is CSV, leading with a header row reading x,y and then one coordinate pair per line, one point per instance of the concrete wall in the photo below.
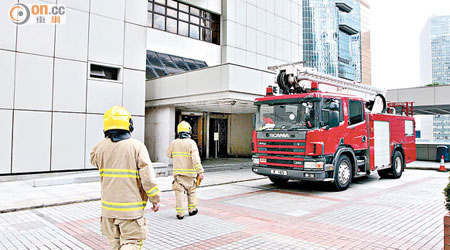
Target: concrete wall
x,y
261,33
427,152
159,132
240,135
51,110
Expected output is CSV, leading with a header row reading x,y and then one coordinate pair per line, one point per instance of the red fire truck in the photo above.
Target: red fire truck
x,y
307,133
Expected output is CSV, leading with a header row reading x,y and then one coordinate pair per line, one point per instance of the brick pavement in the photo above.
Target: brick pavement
x,y
372,214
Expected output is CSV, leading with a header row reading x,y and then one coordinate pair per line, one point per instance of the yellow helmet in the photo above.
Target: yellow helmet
x,y
117,117
184,127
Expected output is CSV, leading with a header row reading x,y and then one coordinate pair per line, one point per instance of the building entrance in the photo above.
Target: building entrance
x,y
218,128
196,122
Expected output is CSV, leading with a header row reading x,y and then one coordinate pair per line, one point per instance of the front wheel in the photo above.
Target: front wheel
x,y
343,173
278,181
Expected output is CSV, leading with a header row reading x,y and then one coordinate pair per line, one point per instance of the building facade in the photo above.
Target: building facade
x,y
332,37
246,36
366,56
435,51
59,79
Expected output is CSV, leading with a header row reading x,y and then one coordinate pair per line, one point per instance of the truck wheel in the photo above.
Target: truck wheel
x,y
278,181
343,173
397,165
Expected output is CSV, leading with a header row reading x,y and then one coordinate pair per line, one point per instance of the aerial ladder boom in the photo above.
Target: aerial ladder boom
x,y
295,78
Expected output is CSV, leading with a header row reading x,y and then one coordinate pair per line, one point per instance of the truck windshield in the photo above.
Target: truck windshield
x,y
293,116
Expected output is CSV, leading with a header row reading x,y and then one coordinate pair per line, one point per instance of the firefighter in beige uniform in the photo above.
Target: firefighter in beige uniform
x,y
127,181
186,167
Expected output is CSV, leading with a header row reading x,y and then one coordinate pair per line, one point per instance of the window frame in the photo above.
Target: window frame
x,y
206,20
350,111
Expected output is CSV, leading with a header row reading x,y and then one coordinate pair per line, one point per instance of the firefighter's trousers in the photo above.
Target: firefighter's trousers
x,y
124,234
183,185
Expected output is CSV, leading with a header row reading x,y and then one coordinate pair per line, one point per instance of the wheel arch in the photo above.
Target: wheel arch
x,y
399,147
348,151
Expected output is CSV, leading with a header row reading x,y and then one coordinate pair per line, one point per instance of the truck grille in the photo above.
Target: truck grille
x,y
282,153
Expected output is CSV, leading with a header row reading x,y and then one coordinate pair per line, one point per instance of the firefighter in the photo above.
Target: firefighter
x,y
186,168
127,181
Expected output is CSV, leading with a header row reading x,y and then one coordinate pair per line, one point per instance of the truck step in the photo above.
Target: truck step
x,y
361,162
360,174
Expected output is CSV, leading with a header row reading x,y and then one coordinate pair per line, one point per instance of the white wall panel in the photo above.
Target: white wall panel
x,y
36,39
31,141
241,12
109,8
82,5
106,39
278,48
102,96
139,128
286,28
230,11
134,91
251,16
286,5
270,46
34,76
241,57
261,62
270,23
72,37
278,26
136,11
70,86
241,36
8,28
5,141
260,19
230,33
68,141
244,80
94,135
251,39
279,6
261,43
270,5
7,65
251,59
203,81
135,46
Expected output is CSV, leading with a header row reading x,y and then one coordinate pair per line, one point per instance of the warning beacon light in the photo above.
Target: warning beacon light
x,y
269,90
314,86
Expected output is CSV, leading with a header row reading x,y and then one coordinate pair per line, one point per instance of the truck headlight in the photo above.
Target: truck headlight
x,y
255,160
314,165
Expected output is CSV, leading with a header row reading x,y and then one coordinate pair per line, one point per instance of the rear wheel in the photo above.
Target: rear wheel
x,y
396,170
278,181
343,173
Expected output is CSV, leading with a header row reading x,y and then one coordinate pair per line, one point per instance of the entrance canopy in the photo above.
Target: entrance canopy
x,y
432,100
226,88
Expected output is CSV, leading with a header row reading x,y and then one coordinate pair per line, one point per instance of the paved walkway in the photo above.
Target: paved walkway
x,y
372,214
19,195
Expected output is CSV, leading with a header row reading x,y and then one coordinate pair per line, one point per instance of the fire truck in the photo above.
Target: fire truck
x,y
324,128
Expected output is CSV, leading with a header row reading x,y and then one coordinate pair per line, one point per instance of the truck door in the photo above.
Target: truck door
x,y
357,133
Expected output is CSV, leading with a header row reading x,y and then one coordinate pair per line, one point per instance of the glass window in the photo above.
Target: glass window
x,y
168,63
216,37
195,20
160,72
163,2
171,25
201,64
172,4
184,7
205,23
193,31
183,16
150,7
205,14
192,65
149,19
172,13
183,28
149,73
153,59
159,22
356,114
160,9
206,35
180,63
409,128
195,11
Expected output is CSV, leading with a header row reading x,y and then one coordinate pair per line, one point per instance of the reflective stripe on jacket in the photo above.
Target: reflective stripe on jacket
x,y
127,178
186,158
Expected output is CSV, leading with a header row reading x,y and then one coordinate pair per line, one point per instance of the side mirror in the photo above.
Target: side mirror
x,y
334,119
254,120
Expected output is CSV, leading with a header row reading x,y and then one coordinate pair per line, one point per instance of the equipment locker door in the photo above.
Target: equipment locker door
x,y
382,148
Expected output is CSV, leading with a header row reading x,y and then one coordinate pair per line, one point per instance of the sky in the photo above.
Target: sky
x,y
395,39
